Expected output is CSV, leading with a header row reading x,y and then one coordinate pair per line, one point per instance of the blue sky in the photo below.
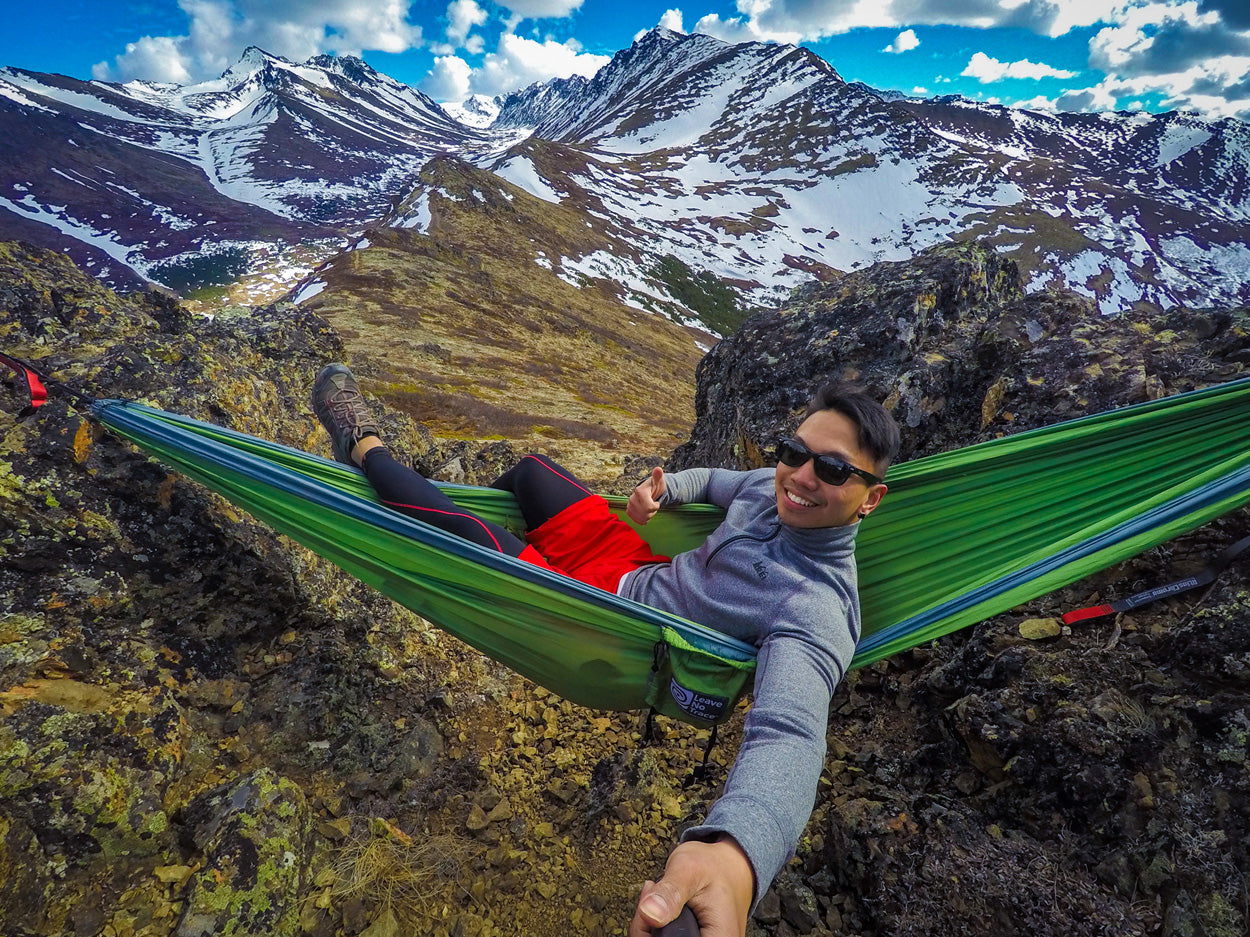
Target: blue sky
x,y
1054,54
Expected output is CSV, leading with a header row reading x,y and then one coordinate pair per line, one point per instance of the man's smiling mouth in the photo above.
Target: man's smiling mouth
x,y
799,500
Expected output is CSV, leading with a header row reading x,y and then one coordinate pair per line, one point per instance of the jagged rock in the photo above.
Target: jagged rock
x,y
798,907
253,837
81,786
955,349
768,909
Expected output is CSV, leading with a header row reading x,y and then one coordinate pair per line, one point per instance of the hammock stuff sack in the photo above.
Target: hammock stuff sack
x,y
961,536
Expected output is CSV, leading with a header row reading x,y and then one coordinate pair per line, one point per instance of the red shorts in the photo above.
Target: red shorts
x,y
589,543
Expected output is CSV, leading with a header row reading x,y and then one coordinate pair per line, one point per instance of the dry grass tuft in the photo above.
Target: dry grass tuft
x,y
398,874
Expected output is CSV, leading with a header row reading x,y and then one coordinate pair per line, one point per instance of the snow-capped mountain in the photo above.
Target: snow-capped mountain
x,y
755,161
477,110
132,178
760,163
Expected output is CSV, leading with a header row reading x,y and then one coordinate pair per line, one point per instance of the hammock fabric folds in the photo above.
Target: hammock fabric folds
x,y
961,536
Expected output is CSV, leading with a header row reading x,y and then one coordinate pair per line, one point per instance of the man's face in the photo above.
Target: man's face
x,y
803,500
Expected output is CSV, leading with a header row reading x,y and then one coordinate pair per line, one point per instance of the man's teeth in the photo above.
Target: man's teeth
x,y
803,502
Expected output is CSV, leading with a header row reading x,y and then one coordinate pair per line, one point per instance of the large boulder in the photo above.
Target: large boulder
x,y
956,349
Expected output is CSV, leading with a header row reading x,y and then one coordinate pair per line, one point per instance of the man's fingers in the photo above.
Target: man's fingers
x,y
644,502
714,879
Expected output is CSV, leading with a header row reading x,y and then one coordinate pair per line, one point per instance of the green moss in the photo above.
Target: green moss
x,y
705,294
14,753
23,624
58,726
250,882
1220,918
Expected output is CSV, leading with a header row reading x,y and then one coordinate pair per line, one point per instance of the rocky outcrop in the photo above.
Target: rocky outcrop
x,y
153,641
957,351
206,729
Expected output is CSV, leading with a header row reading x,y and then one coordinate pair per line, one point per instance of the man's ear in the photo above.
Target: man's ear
x,y
875,494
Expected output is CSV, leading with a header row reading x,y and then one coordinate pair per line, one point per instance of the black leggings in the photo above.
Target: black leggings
x,y
543,489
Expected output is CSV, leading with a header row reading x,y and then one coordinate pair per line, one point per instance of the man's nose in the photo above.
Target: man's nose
x,y
805,474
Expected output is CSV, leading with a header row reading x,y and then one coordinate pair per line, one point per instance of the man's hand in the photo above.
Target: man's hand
x,y
645,500
715,879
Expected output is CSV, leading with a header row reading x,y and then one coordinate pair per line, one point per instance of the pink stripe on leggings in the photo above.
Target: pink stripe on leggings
x,y
557,474
417,507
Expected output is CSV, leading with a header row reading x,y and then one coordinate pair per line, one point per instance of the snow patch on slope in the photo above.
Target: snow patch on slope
x,y
56,216
521,172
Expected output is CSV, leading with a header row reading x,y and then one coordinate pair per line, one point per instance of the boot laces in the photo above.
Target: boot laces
x,y
344,405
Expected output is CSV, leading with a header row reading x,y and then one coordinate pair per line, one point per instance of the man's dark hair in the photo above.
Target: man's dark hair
x,y
878,433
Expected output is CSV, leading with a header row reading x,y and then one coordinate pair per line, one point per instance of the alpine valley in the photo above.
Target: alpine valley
x,y
756,163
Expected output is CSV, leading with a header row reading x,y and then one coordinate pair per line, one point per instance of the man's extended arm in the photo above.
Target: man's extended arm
x,y
767,799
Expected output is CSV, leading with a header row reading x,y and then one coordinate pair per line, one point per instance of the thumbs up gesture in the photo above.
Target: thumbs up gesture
x,y
645,500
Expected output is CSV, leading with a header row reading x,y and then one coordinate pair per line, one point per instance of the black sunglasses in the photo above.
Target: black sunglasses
x,y
829,469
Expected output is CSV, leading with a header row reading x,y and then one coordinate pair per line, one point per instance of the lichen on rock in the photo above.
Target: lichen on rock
x,y
253,836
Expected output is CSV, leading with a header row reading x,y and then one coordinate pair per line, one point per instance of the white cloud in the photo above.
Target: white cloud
x,y
672,20
448,80
1158,37
462,16
155,58
1100,97
1181,50
295,29
1039,103
738,29
920,90
815,19
517,62
985,69
903,42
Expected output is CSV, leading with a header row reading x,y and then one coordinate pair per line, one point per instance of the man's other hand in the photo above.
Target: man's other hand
x,y
715,879
645,500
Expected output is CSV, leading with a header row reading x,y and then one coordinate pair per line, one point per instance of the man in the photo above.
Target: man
x,y
795,524
779,573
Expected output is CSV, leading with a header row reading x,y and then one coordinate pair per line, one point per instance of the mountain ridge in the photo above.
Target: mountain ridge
x,y
755,162
270,153
1127,208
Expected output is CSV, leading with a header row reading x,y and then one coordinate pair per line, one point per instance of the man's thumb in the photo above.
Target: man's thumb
x,y
657,482
661,904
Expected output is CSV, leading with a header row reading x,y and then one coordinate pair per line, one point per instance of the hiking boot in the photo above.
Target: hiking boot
x,y
339,405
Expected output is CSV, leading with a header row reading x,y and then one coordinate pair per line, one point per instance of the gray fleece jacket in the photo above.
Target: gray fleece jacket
x,y
792,593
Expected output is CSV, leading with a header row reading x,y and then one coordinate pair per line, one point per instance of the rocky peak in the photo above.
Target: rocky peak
x,y
957,348
667,73
254,60
477,110
662,34
351,67
530,106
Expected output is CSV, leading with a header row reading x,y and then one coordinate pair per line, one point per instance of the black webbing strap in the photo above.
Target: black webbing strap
x,y
1206,576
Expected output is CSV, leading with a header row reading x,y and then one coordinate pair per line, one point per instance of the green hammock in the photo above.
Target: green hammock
x,y
961,536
